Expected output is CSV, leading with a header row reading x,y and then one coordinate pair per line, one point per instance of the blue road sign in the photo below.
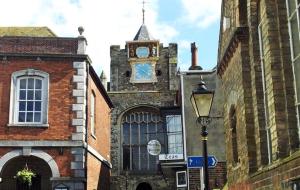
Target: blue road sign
x,y
198,161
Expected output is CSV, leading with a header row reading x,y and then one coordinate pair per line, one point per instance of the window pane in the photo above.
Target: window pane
x,y
29,106
152,131
144,158
22,105
37,117
135,158
29,117
126,158
37,106
134,133
295,36
143,133
38,84
22,95
174,134
161,133
23,84
30,83
30,95
38,95
291,6
126,133
297,78
152,162
21,117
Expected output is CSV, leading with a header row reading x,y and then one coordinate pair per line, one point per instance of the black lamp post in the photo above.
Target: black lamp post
x,y
201,100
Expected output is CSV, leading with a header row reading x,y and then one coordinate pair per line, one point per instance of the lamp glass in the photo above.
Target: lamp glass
x,y
202,103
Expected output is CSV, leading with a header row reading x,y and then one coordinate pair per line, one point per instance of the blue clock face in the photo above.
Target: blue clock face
x,y
142,52
143,71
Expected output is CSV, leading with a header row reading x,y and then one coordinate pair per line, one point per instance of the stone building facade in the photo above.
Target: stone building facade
x,y
143,89
258,63
55,113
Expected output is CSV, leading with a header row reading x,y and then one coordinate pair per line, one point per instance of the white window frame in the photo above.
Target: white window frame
x,y
170,133
14,92
181,185
266,115
294,58
92,115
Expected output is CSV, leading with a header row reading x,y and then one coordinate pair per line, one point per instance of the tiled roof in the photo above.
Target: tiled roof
x,y
143,34
26,31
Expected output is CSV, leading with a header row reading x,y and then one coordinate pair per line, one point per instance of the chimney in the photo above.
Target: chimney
x,y
194,51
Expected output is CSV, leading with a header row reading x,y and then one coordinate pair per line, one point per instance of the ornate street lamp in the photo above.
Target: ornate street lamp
x,y
201,100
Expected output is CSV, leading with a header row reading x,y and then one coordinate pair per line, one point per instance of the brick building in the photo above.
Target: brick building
x,y
55,113
192,130
258,63
143,89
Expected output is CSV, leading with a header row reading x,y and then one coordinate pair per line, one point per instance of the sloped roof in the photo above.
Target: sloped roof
x,y
26,31
143,34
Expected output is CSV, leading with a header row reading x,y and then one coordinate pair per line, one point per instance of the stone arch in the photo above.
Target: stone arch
x,y
129,111
143,186
37,153
123,112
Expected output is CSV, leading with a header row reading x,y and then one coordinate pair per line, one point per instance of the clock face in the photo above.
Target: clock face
x,y
142,52
143,71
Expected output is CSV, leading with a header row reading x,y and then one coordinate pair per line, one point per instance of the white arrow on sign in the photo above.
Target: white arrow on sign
x,y
190,160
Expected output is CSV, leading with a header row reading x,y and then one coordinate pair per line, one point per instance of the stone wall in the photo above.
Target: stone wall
x,y
126,95
240,55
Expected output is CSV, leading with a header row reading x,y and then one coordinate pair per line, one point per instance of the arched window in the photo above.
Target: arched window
x,y
139,126
233,122
29,98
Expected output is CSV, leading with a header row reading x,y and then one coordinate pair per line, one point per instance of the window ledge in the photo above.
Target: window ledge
x,y
28,125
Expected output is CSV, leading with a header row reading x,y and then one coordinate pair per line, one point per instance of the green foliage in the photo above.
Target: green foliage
x,y
25,175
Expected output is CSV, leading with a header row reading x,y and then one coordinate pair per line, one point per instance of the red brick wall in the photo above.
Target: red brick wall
x,y
38,45
60,100
98,174
102,122
217,177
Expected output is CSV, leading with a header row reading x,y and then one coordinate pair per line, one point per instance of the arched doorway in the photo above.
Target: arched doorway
x,y
37,165
144,186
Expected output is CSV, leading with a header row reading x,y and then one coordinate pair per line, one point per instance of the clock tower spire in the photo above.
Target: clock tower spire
x,y
143,11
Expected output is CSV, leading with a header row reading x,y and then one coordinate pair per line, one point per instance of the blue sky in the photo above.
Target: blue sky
x,y
113,22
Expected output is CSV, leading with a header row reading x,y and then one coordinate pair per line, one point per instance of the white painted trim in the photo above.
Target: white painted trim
x,y
5,143
37,153
183,118
183,185
98,155
51,162
14,92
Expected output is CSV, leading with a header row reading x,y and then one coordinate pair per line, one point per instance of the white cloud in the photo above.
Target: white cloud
x,y
106,23
202,13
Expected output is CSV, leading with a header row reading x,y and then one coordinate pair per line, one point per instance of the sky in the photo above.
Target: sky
x,y
113,22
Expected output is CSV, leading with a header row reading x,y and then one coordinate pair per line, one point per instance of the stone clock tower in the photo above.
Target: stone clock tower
x,y
143,85
143,56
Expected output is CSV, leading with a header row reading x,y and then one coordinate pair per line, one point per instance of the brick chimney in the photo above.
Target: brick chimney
x,y
194,51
